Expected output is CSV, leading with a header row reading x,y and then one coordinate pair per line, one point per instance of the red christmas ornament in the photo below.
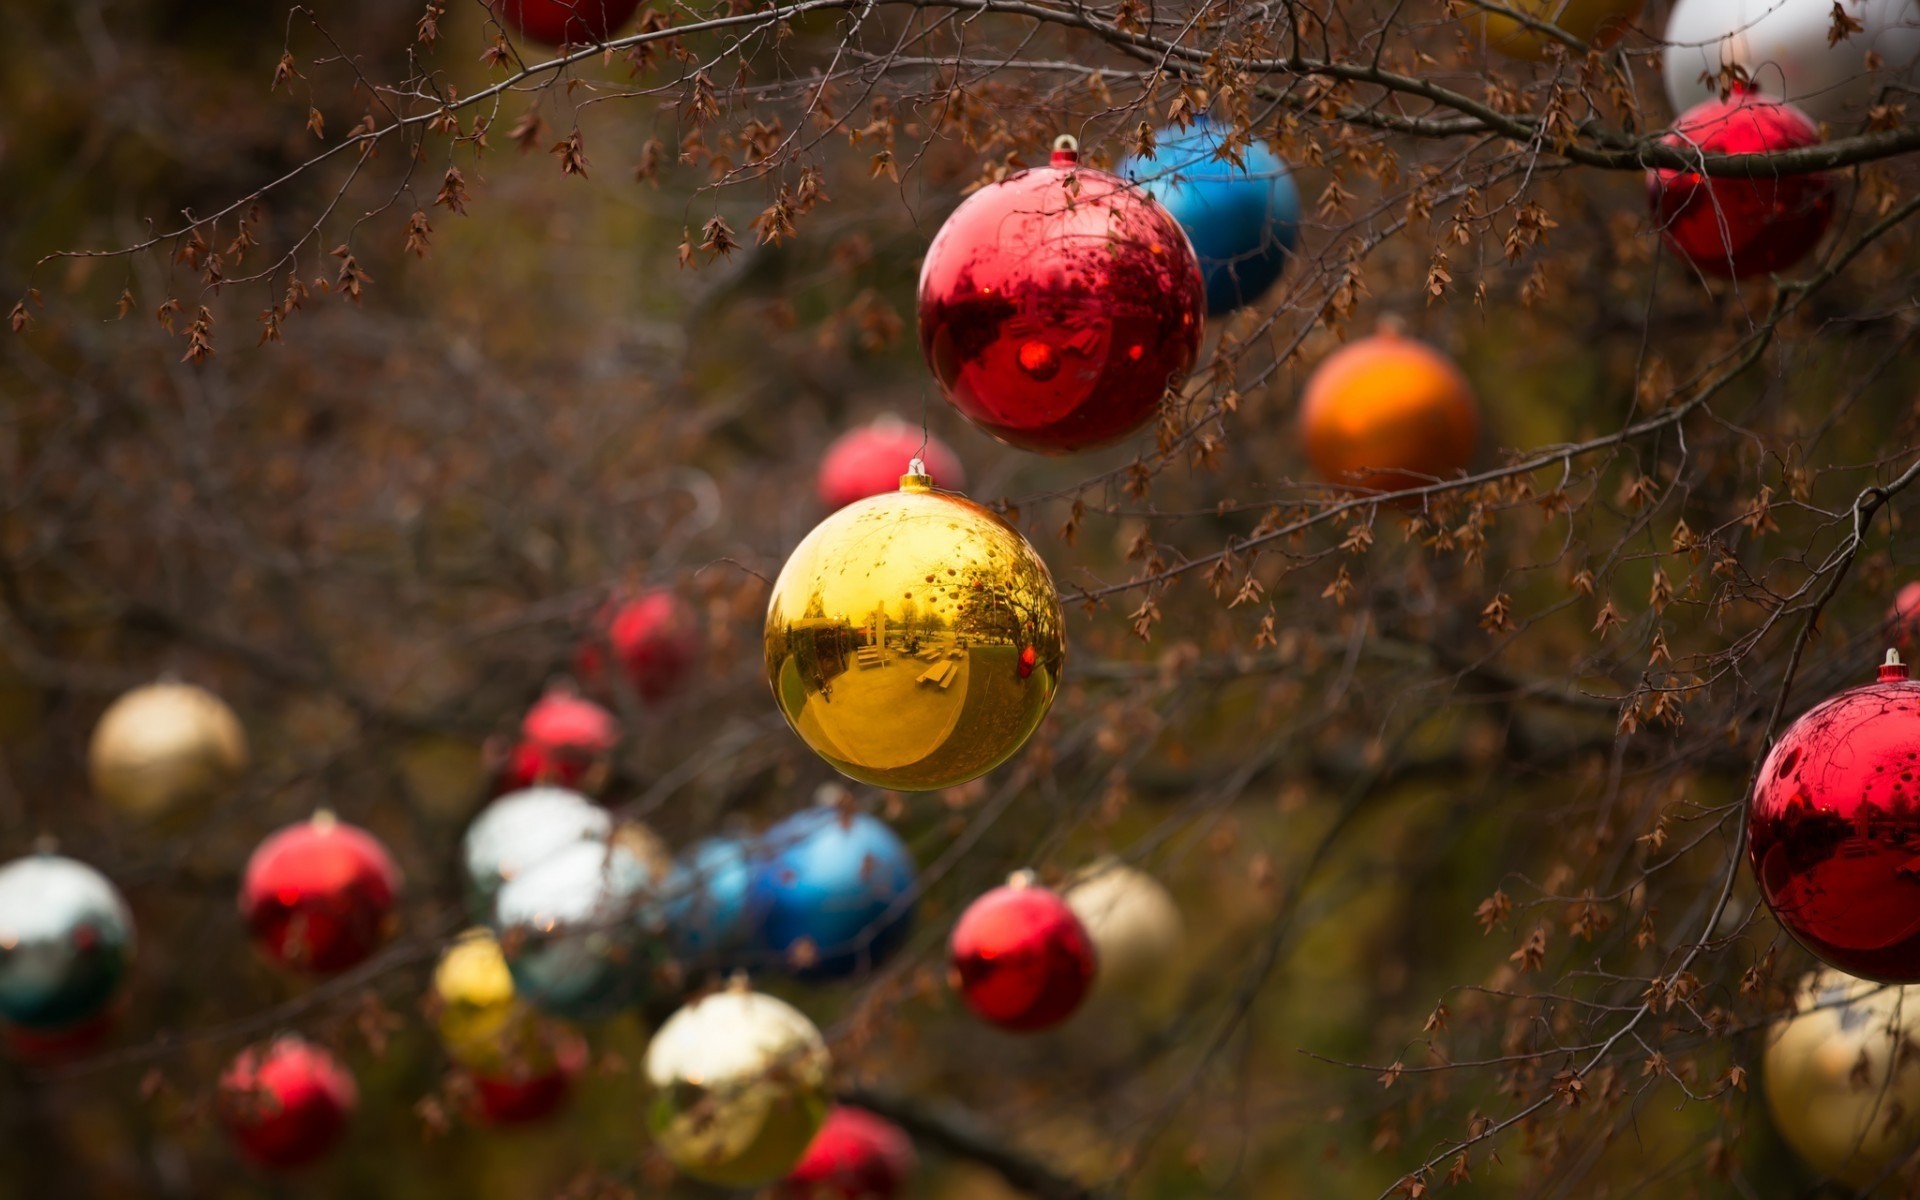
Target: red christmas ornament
x,y
50,1047
1020,957
522,1099
869,461
654,638
1735,227
562,739
319,895
1058,306
1833,833
564,22
1903,619
287,1105
855,1156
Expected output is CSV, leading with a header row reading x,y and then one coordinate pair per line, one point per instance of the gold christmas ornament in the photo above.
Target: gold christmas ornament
x,y
739,1088
1136,929
482,1024
914,639
1842,1093
164,745
1599,23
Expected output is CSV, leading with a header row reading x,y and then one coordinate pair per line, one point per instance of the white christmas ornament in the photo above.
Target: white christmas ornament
x,y
1785,48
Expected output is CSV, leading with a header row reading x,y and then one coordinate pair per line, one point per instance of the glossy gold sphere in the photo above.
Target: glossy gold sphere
x,y
1841,1091
482,1024
739,1088
914,639
1599,23
164,745
1137,932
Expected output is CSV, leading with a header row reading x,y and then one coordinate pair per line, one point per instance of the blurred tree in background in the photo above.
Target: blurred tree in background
x,y
396,346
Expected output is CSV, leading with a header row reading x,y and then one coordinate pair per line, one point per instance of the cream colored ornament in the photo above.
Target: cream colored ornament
x,y
1841,1077
739,1087
163,745
1136,928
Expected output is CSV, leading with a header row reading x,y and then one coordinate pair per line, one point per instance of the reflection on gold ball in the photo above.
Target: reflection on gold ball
x,y
482,1024
740,1088
914,639
164,745
1599,23
1827,1076
1136,930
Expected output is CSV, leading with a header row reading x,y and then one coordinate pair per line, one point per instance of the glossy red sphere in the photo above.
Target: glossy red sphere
x,y
1834,829
1734,227
1021,959
288,1104
870,460
1058,306
1903,618
522,1099
563,22
562,738
855,1156
319,896
654,638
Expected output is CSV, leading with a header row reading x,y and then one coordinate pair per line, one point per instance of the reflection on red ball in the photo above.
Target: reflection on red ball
x,y
1834,829
562,738
653,637
287,1105
319,896
855,1156
1021,958
1903,619
522,1099
870,461
49,1047
1734,227
563,22
1058,306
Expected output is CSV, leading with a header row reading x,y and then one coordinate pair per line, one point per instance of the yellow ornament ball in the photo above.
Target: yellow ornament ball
x,y
1598,23
739,1085
163,745
483,1025
1840,1091
914,639
1138,935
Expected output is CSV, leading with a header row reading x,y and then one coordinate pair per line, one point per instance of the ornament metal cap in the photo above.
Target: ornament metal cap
x,y
1024,878
916,479
1066,151
1893,670
323,820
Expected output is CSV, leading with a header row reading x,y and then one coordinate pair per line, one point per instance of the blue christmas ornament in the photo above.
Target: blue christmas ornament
x,y
66,942
706,901
583,929
1243,221
832,894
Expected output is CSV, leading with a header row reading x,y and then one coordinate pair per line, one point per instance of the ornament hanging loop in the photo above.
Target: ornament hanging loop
x,y
1893,670
1066,150
916,479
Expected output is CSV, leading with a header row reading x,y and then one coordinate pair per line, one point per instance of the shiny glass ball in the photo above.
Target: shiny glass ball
x,y
897,635
1020,958
582,928
707,901
1832,826
286,1104
66,943
482,1022
1598,23
1734,228
855,1156
1785,48
869,461
739,1083
1243,219
564,22
1386,413
1840,1077
523,828
522,1095
319,895
564,741
652,638
165,745
833,893
1058,306
1138,936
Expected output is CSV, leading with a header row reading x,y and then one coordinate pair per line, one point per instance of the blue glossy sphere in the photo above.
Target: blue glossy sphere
x,y
706,901
1243,221
841,884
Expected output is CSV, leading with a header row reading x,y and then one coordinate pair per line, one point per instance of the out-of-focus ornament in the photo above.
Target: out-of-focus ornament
x,y
1387,413
564,22
855,1156
653,637
1020,958
583,929
50,1047
482,1024
1138,936
521,1095
1058,306
896,633
866,461
288,1104
66,943
1243,218
1598,23
163,745
522,829
319,895
565,741
1731,227
1833,825
1785,49
739,1088
832,893
706,901
1841,1080
1903,618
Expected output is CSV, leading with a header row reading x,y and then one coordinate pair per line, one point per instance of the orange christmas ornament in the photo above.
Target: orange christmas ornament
x,y
1387,413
